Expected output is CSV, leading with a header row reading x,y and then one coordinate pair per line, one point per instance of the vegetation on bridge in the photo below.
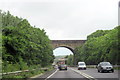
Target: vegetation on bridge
x,y
23,46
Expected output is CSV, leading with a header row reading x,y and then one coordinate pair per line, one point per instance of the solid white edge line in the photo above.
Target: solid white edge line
x,y
84,74
51,75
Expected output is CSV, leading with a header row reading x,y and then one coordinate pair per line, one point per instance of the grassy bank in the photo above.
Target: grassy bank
x,y
117,68
30,73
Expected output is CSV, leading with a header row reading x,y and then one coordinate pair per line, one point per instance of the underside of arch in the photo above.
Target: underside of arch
x,y
67,48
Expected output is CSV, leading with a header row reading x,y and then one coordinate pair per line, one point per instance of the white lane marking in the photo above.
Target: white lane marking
x,y
84,74
51,75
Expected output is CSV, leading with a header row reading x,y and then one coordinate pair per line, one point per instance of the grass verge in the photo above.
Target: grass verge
x,y
25,75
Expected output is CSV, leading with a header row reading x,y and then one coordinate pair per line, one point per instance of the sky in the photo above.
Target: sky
x,y
62,51
66,19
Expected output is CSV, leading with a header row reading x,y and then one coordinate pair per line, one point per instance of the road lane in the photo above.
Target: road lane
x,y
66,74
73,74
93,72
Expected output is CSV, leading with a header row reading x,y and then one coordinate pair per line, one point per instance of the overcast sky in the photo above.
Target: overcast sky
x,y
66,19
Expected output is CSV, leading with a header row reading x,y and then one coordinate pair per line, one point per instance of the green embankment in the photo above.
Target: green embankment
x,y
102,45
23,46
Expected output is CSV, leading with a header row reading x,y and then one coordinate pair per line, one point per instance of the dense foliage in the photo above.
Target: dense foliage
x,y
23,45
70,60
102,45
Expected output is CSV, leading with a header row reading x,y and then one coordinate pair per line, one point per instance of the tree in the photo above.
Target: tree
x,y
102,45
24,44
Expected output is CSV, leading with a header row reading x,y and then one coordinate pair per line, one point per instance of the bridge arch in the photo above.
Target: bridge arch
x,y
69,44
71,49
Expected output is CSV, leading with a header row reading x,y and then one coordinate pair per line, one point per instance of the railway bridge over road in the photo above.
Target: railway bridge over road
x,y
70,44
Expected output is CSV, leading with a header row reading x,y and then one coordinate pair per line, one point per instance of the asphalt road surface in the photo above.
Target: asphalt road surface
x,y
89,74
94,73
66,74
